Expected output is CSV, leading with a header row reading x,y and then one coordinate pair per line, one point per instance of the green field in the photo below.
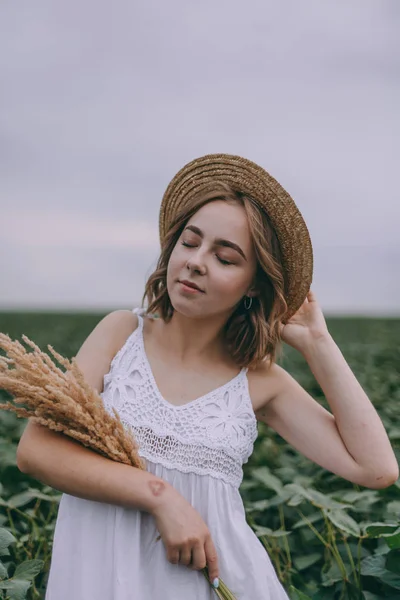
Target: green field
x,y
327,538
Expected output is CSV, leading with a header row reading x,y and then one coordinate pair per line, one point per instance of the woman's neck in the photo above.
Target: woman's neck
x,y
189,339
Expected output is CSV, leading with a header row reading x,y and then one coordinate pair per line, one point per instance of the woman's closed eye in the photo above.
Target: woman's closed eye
x,y
223,261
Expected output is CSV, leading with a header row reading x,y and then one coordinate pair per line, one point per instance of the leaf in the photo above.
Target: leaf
x,y
27,496
296,594
305,561
16,588
259,530
247,484
355,496
393,507
316,498
393,541
7,454
394,433
324,594
332,575
20,499
390,532
298,490
391,579
375,566
361,501
3,571
28,569
296,500
6,538
324,501
382,550
318,516
279,499
257,505
378,529
392,562
343,522
264,475
279,533
41,496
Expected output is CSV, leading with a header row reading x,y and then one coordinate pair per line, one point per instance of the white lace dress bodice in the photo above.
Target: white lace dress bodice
x,y
212,435
107,551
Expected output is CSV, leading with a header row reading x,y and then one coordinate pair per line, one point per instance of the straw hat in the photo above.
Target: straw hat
x,y
248,177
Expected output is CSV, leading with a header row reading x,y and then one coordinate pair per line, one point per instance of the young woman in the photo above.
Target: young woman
x,y
190,375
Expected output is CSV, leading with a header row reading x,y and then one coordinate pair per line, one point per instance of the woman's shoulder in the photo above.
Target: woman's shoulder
x,y
103,342
264,382
118,326
113,330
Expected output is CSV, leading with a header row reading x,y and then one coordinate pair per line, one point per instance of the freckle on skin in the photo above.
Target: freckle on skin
x,y
157,487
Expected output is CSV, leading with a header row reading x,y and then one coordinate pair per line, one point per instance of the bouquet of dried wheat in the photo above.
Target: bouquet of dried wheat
x,y
64,402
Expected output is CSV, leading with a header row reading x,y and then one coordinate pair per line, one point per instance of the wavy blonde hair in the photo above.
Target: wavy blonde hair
x,y
252,336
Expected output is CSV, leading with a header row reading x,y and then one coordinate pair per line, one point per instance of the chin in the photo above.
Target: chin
x,y
187,308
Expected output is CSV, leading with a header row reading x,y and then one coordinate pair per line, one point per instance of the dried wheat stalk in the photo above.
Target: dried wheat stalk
x,y
62,401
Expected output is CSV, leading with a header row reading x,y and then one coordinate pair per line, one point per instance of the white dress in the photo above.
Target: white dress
x,y
103,551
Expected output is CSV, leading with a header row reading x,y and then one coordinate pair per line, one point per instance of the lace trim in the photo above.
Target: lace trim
x,y
187,458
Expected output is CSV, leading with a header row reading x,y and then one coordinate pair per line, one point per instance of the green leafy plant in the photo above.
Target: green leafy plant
x,y
15,581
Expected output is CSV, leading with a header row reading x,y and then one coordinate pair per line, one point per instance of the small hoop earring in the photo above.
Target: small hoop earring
x,y
247,305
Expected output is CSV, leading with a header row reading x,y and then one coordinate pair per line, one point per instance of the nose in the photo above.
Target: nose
x,y
195,264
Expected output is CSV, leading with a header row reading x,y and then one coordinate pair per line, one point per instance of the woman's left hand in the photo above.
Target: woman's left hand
x,y
306,325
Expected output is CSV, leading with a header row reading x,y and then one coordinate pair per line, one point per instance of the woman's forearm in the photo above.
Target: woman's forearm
x,y
60,462
357,420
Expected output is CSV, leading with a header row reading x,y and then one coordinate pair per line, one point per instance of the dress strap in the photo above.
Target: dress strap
x,y
139,312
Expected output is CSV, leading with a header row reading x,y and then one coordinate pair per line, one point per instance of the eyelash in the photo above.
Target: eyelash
x,y
221,260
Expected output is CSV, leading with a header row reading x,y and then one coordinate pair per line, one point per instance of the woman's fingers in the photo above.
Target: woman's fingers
x,y
173,556
199,558
212,560
185,556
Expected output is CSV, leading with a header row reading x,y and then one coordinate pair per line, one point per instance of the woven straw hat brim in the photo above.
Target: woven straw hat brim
x,y
248,177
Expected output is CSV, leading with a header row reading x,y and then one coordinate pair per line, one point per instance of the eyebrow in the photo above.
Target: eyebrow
x,y
218,241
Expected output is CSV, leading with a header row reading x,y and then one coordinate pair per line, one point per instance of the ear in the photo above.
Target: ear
x,y
252,293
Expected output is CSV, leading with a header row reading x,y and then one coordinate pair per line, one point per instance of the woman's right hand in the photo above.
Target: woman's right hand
x,y
186,537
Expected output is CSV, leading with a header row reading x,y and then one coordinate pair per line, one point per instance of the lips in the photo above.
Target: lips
x,y
191,285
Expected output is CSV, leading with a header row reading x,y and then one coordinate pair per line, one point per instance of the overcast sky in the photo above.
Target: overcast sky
x,y
102,103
